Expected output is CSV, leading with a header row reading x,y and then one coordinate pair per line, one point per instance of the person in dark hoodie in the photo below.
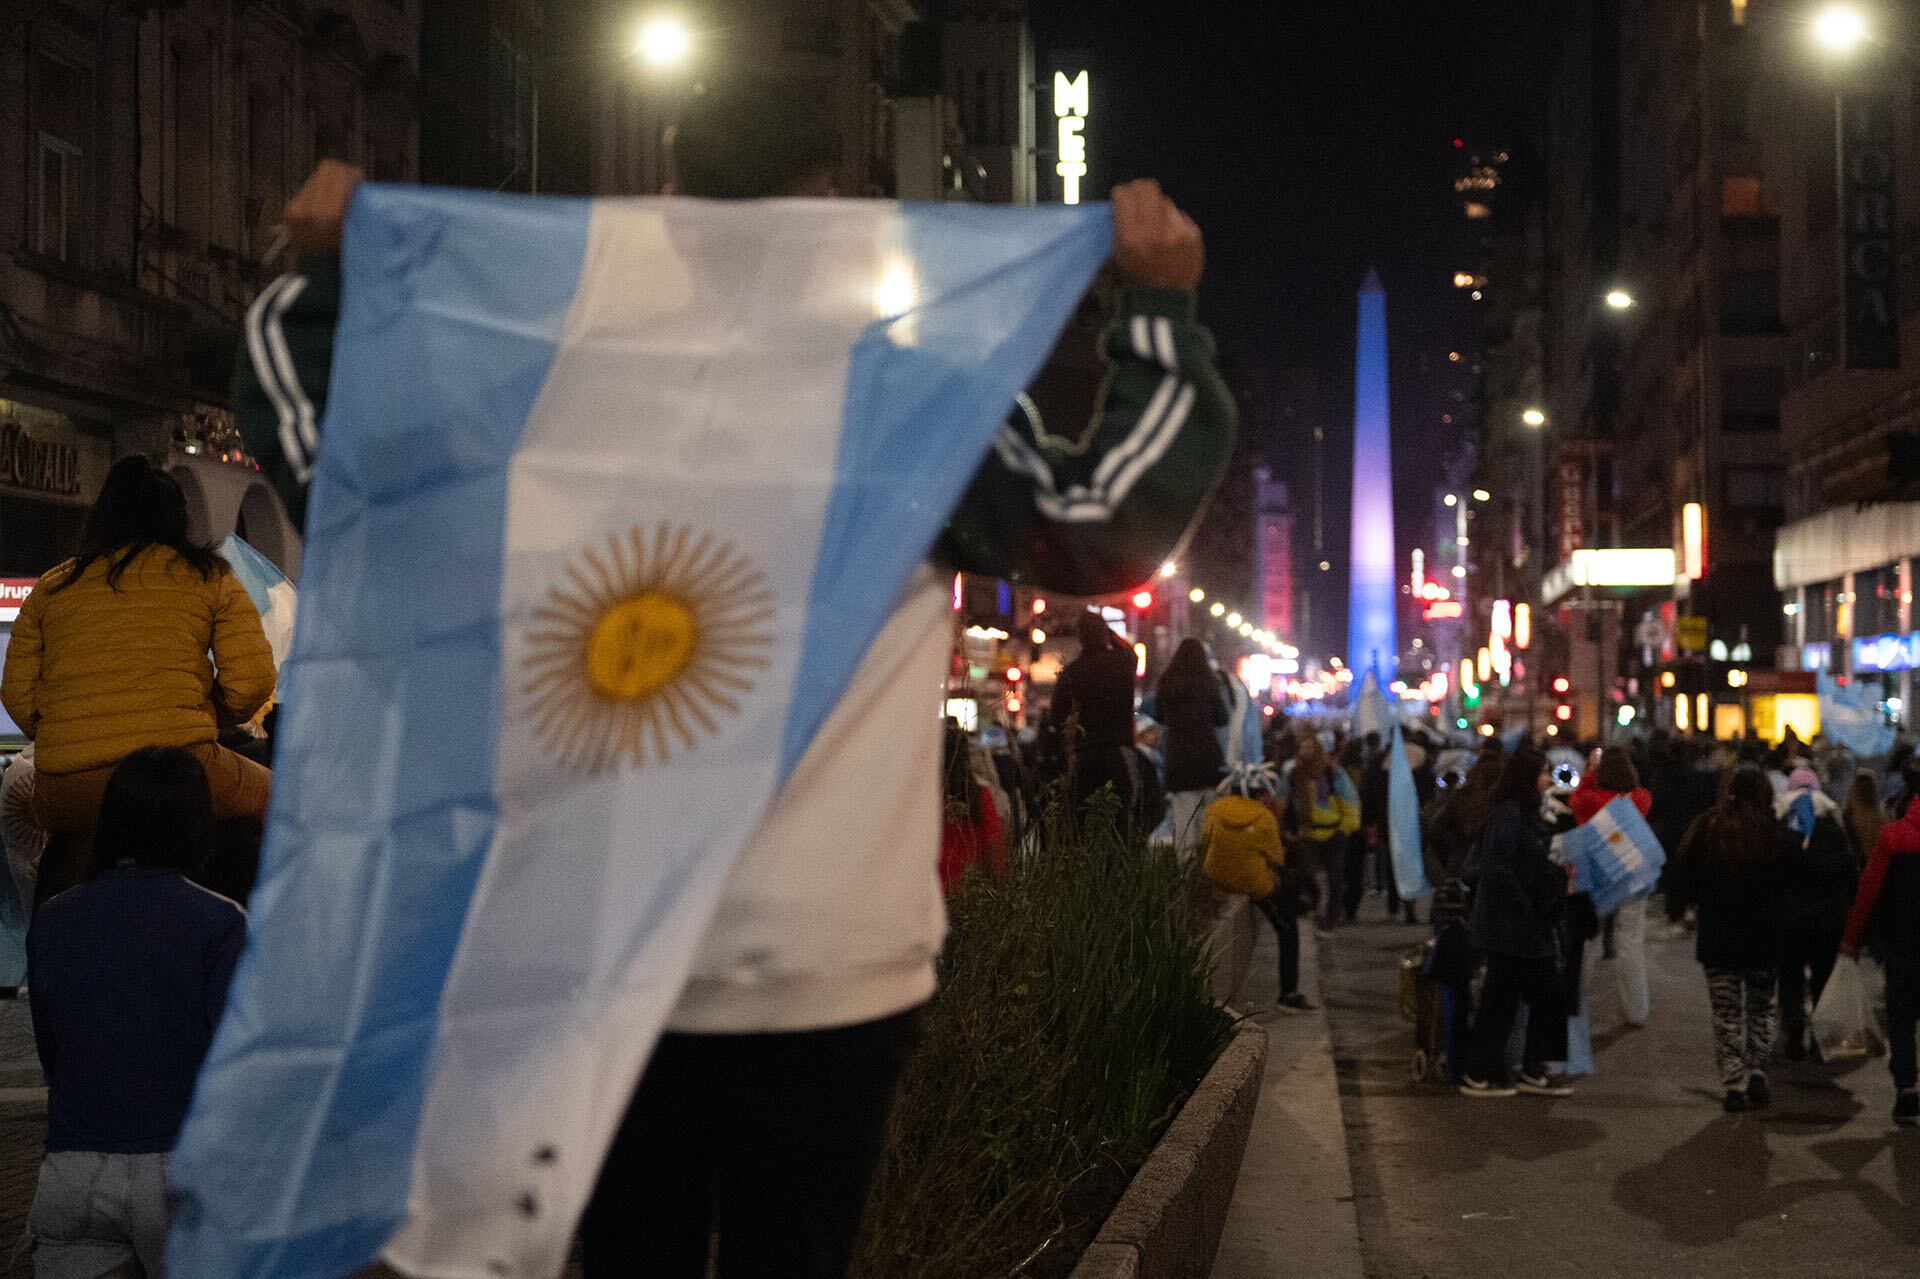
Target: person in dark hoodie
x,y
1887,907
1518,894
1822,891
1092,710
1192,706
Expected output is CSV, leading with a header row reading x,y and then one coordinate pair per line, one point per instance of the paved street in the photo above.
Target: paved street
x,y
1638,1174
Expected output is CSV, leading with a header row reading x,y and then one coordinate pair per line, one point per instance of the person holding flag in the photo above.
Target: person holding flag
x,y
761,1111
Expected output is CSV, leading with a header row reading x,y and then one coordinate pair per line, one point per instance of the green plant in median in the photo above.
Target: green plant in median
x,y
1073,1019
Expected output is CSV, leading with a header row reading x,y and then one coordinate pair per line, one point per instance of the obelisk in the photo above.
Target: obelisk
x,y
1370,588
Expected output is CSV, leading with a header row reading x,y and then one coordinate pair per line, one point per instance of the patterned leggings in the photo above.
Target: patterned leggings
x,y
1743,1018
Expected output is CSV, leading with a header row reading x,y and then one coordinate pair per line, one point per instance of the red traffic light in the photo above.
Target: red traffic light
x,y
1014,675
1561,684
1143,599
1563,712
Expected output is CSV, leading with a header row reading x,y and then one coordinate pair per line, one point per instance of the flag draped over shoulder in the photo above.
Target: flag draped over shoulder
x,y
613,498
1403,825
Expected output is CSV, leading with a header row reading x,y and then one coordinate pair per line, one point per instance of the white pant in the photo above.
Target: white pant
x,y
1630,978
99,1216
1189,814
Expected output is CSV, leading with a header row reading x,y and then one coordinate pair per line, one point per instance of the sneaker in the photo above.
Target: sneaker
x,y
1759,1096
1295,1003
1734,1102
1543,1085
1906,1108
1471,1087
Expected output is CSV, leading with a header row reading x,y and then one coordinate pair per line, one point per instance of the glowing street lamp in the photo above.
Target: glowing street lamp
x,y
664,42
1534,417
1481,495
1620,299
1840,28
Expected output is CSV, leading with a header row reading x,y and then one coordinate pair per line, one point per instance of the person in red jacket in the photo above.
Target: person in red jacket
x,y
1613,776
1887,904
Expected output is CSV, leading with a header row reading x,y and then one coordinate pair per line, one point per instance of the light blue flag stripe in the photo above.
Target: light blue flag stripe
x,y
892,495
437,408
1403,825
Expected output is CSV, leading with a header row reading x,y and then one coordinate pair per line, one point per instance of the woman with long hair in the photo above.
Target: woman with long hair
x,y
971,833
1615,777
1191,707
1518,892
1736,867
144,638
1864,814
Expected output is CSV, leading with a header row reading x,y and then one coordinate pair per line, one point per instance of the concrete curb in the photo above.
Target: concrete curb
x,y
1168,1224
1230,944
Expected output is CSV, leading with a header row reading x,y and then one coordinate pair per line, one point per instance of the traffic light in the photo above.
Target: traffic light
x,y
1563,712
1143,600
1015,675
1561,684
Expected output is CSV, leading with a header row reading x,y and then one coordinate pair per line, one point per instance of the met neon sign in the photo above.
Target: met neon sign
x,y
1072,102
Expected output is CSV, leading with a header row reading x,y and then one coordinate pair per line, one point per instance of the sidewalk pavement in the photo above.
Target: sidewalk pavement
x,y
1293,1209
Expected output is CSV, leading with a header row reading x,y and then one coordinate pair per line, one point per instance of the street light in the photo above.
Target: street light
x,y
1620,299
664,41
1481,495
1840,28
1452,500
1534,417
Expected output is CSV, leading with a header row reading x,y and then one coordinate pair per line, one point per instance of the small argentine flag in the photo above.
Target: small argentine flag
x,y
272,594
614,496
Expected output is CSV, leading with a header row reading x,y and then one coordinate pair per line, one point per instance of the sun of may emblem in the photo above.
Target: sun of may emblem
x,y
645,646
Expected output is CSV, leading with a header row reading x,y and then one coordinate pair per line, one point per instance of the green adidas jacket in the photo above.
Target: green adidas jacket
x,y
1083,507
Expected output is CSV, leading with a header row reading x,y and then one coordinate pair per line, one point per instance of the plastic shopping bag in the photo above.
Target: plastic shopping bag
x,y
1843,1021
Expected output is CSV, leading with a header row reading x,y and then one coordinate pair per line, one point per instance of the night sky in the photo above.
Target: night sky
x,y
1310,140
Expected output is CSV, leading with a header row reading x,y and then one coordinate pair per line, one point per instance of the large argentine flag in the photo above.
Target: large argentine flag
x,y
614,495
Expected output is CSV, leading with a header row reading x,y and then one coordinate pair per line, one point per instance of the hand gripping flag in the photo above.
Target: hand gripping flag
x,y
614,496
1615,856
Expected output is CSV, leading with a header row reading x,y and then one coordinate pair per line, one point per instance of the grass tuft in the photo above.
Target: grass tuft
x,y
1073,1020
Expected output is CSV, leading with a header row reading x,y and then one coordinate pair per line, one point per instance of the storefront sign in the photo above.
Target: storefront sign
x,y
1691,634
1887,652
43,466
1870,258
1072,101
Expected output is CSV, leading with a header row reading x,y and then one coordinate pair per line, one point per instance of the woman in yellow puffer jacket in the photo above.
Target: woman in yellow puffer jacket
x,y
110,653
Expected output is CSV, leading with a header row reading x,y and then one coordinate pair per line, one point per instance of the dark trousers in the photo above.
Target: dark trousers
x,y
1332,853
1509,982
1282,911
1355,871
762,1145
1803,975
1096,768
1903,1016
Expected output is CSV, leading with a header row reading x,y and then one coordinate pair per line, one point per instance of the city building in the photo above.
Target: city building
x,y
157,146
1273,552
1850,413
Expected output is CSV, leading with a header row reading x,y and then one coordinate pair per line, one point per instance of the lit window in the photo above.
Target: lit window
x,y
57,172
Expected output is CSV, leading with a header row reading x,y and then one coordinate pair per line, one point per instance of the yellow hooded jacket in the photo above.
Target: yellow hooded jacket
x,y
95,672
1242,839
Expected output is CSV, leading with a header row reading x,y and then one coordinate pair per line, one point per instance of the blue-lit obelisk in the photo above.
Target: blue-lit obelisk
x,y
1370,600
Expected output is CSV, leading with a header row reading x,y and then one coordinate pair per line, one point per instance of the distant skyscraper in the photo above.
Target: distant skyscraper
x,y
1371,588
1273,553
